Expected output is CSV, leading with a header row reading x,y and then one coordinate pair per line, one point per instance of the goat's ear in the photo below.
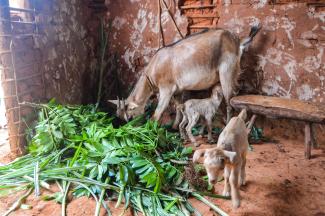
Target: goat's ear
x,y
116,102
230,155
132,105
226,154
198,154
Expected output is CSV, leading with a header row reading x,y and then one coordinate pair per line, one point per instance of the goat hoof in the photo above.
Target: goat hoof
x,y
236,203
226,194
242,182
211,141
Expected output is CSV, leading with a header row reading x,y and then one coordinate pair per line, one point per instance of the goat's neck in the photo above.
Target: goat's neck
x,y
141,92
215,100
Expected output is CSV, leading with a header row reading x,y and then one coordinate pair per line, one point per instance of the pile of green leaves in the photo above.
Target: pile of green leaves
x,y
79,149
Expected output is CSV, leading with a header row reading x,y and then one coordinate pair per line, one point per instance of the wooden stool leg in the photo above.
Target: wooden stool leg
x,y
313,136
308,140
251,123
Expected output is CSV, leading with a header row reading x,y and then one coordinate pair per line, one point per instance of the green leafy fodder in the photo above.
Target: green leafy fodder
x,y
79,148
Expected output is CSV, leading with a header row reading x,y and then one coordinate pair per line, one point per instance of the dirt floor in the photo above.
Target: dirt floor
x,y
279,182
4,145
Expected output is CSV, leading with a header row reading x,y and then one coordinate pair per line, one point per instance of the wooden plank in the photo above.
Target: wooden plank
x,y
197,6
307,140
202,26
202,16
22,10
276,107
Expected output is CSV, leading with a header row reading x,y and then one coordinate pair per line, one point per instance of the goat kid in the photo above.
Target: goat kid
x,y
193,109
230,156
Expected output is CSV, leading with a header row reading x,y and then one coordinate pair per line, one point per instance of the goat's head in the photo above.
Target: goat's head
x,y
217,92
214,161
127,109
121,111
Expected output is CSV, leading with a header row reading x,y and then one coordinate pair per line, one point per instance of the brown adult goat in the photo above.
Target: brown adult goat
x,y
197,62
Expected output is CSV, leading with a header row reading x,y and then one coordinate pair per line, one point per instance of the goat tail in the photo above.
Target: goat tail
x,y
243,115
244,43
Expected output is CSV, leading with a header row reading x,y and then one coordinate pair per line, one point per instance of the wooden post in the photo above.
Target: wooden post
x,y
251,123
313,136
308,140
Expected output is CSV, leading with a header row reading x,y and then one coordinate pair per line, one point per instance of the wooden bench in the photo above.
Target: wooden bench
x,y
276,107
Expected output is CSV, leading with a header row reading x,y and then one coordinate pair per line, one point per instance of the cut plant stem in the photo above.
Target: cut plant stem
x,y
36,179
101,197
42,183
18,203
64,199
211,205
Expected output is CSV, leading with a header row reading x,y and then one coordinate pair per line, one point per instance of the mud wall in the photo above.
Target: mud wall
x,y
46,52
290,49
286,59
288,55
135,33
67,47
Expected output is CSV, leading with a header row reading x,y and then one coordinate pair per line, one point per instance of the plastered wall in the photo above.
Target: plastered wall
x,y
135,33
286,58
45,53
67,48
290,49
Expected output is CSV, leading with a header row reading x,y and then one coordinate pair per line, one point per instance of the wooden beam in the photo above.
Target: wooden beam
x,y
202,16
280,108
197,6
202,26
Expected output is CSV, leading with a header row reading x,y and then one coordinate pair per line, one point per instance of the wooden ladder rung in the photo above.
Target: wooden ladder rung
x,y
22,78
202,26
203,16
185,7
22,10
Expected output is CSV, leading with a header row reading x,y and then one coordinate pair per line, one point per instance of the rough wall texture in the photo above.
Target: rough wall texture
x,y
290,48
44,54
288,55
286,59
66,46
135,33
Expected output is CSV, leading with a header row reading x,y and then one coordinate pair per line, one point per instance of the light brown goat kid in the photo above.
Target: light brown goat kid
x,y
193,109
230,156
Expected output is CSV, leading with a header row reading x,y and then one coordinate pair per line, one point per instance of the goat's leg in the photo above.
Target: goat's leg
x,y
177,119
229,112
226,189
209,125
201,132
229,71
164,98
233,180
178,116
242,180
182,127
192,120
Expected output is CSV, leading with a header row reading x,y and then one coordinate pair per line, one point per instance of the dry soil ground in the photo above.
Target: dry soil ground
x,y
279,182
